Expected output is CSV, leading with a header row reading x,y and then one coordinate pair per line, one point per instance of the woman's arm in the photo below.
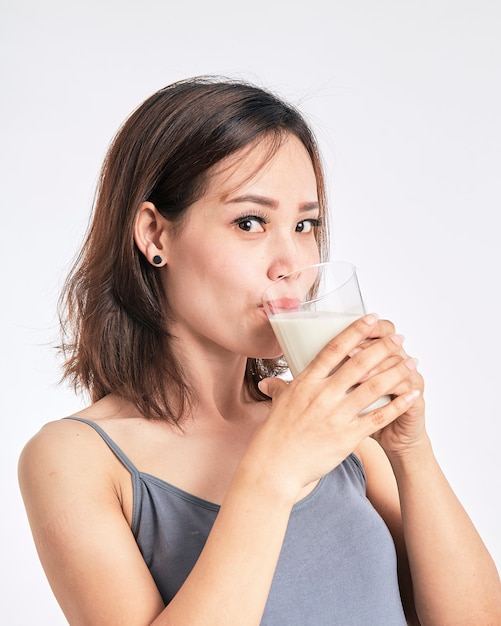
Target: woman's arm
x,y
444,567
454,577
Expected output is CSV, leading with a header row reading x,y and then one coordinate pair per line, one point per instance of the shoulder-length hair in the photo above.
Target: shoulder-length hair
x,y
114,324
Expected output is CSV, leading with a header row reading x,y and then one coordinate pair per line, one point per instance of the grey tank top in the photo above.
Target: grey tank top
x,y
337,565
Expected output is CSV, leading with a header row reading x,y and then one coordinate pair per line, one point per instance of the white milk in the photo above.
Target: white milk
x,y
302,334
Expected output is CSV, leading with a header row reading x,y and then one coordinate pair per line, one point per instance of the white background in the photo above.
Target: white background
x,y
405,97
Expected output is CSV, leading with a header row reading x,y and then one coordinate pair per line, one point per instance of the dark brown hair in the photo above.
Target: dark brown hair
x,y
115,330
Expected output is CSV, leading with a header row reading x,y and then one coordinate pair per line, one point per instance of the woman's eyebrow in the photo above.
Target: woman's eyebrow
x,y
269,203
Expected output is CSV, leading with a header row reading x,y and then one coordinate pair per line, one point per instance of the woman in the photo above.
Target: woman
x,y
198,487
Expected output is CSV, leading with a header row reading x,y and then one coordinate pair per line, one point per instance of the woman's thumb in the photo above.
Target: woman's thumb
x,y
272,387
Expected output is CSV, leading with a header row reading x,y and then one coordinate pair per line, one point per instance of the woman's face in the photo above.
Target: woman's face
x,y
253,224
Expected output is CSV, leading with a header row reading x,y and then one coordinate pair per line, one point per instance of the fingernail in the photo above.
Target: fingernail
x,y
397,339
411,363
370,319
412,395
354,351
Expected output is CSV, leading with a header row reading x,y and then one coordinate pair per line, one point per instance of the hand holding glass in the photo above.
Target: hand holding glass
x,y
310,306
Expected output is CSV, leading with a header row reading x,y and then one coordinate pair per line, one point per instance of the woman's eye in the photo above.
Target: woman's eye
x,y
307,226
251,224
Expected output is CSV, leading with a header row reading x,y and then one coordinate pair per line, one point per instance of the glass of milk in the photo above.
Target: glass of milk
x,y
308,307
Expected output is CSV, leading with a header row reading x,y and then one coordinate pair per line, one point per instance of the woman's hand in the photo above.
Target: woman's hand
x,y
409,429
314,422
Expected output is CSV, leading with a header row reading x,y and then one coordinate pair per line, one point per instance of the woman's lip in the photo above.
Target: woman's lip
x,y
282,304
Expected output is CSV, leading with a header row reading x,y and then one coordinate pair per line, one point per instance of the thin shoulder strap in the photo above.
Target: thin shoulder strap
x,y
112,445
124,459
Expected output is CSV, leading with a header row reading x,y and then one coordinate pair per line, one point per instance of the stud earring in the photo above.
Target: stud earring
x,y
157,259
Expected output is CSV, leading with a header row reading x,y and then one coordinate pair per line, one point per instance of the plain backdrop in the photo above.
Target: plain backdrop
x,y
405,98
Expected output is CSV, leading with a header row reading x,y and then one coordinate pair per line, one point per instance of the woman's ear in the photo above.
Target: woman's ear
x,y
150,234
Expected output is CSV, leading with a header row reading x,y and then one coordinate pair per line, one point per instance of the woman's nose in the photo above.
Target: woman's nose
x,y
289,251
284,259
277,271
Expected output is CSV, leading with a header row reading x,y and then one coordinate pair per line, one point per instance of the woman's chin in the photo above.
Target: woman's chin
x,y
268,355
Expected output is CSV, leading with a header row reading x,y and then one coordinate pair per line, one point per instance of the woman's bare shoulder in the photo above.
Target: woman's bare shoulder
x,y
60,438
64,448
50,465
70,439
371,455
382,488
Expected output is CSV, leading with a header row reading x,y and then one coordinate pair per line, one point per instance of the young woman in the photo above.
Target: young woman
x,y
198,488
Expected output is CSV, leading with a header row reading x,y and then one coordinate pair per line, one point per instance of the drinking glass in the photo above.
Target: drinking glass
x,y
311,305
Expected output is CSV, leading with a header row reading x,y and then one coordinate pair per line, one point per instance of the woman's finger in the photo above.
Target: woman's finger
x,y
374,421
336,351
378,357
383,328
272,387
383,384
